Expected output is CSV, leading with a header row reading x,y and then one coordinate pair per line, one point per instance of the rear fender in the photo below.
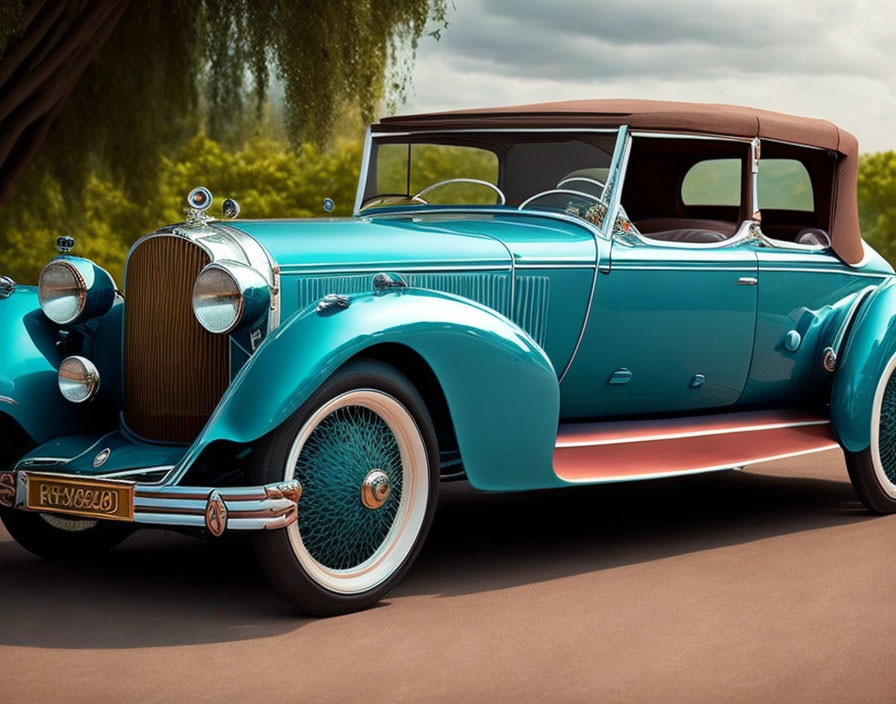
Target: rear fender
x,y
870,347
499,385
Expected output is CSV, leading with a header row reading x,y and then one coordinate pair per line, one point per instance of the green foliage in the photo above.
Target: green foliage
x,y
431,163
266,177
877,202
172,67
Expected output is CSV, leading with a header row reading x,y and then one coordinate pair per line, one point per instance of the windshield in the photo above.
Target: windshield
x,y
532,169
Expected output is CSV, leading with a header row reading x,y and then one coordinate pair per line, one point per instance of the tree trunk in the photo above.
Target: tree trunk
x,y
40,71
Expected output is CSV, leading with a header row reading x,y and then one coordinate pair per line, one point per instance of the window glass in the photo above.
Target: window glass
x,y
784,184
713,182
431,163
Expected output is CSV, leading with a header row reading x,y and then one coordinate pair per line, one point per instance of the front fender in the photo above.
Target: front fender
x,y
29,362
500,387
869,348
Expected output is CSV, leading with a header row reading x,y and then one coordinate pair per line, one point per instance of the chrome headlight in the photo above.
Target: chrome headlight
x,y
72,289
79,379
228,294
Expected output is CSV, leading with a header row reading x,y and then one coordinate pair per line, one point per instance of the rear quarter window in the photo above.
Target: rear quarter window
x,y
784,184
713,182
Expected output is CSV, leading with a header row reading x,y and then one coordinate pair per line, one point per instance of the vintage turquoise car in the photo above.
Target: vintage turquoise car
x,y
529,297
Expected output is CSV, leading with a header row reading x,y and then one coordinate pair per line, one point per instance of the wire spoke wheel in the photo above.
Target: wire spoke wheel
x,y
362,463
366,452
883,441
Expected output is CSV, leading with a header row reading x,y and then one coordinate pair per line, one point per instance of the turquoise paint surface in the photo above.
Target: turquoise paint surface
x,y
869,348
492,374
665,314
551,262
29,366
810,293
76,454
29,363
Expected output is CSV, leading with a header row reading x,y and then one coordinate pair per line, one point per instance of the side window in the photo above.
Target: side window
x,y
784,184
713,182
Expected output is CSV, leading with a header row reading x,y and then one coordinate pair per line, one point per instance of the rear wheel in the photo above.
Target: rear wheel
x,y
873,471
364,449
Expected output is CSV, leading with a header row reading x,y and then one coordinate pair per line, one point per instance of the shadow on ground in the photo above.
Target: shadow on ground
x,y
161,589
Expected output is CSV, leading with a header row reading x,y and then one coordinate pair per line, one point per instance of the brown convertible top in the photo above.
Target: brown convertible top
x,y
690,118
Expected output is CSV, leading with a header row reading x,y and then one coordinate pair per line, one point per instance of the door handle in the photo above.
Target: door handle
x,y
747,281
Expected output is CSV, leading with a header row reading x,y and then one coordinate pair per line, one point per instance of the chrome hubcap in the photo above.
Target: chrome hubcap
x,y
375,489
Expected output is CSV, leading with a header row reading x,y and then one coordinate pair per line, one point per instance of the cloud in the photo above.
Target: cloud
x,y
816,57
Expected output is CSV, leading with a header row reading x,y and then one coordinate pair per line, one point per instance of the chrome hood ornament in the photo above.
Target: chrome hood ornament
x,y
200,199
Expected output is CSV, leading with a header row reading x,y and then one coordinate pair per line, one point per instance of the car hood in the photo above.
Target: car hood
x,y
421,240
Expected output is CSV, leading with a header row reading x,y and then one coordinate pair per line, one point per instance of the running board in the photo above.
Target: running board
x,y
647,449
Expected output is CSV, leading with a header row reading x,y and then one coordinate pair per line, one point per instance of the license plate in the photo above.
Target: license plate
x,y
90,498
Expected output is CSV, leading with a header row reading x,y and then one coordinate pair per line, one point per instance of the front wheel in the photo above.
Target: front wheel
x,y
364,449
873,470
55,537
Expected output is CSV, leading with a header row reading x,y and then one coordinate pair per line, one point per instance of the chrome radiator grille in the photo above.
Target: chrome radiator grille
x,y
175,372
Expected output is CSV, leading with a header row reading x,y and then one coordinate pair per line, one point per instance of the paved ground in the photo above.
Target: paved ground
x,y
767,585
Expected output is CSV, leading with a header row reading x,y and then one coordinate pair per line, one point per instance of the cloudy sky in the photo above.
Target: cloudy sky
x,y
834,59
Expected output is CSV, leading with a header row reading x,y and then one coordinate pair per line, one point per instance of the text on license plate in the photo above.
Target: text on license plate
x,y
90,498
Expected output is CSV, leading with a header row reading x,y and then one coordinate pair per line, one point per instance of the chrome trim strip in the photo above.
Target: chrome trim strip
x,y
694,434
844,271
683,267
365,169
754,176
375,269
698,470
692,135
518,130
8,399
582,265
136,473
560,260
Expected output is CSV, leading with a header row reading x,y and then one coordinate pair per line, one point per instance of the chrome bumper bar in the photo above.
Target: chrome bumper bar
x,y
267,507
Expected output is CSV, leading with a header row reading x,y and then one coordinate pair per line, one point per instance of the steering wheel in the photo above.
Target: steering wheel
x,y
390,199
462,180
555,191
581,178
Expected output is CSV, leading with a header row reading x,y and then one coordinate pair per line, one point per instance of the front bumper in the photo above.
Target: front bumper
x,y
267,507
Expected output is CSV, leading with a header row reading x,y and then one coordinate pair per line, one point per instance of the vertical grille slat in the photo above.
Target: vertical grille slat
x,y
175,372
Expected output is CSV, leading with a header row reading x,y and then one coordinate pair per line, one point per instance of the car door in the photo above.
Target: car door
x,y
674,308
676,328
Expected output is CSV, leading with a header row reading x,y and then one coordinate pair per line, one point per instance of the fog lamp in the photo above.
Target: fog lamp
x,y
79,379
